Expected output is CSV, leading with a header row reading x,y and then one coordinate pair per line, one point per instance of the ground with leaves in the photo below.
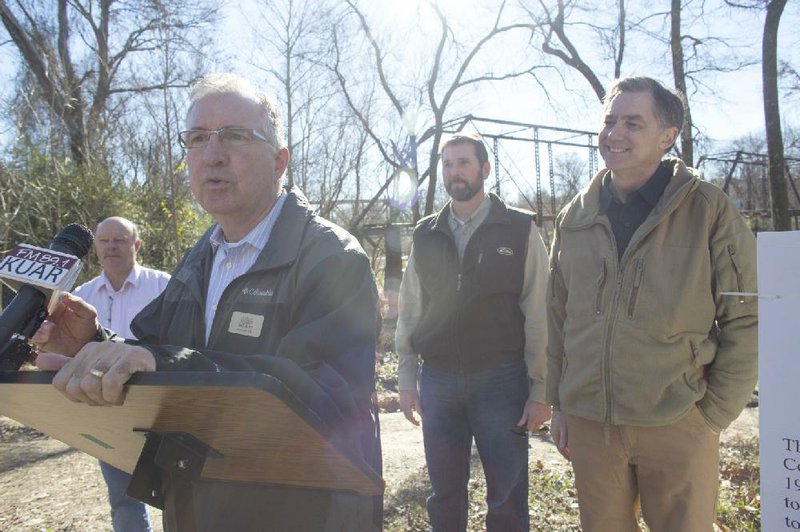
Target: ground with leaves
x,y
553,502
45,485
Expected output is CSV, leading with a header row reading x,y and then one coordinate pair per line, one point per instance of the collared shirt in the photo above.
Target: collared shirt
x,y
626,217
463,230
232,259
532,302
117,308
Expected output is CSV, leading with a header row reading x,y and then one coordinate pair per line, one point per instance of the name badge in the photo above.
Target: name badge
x,y
246,324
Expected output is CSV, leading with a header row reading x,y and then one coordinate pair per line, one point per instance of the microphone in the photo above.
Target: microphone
x,y
39,274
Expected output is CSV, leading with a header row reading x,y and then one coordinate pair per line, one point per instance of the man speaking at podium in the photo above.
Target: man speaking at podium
x,y
270,280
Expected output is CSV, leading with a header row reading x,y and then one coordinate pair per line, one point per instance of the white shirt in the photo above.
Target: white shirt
x,y
233,259
116,309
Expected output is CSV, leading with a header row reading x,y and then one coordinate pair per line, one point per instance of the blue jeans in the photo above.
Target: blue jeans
x,y
127,514
485,406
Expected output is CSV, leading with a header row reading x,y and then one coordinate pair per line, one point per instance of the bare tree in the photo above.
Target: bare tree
x,y
570,172
554,23
81,53
450,71
694,50
327,143
769,72
772,117
158,186
696,53
679,77
292,34
791,76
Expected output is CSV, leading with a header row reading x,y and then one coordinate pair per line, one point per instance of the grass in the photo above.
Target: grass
x,y
553,504
739,505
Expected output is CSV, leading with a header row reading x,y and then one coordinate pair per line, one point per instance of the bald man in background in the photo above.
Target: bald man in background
x,y
121,290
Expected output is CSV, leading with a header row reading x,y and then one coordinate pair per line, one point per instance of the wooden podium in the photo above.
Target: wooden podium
x,y
246,428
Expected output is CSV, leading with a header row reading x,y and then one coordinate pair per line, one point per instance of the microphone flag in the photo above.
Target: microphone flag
x,y
51,272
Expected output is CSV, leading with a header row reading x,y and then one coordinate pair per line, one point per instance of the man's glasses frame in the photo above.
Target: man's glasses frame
x,y
229,136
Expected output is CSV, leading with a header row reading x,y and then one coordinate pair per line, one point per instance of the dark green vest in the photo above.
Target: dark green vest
x,y
471,319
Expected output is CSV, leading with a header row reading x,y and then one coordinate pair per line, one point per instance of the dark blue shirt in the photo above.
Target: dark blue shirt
x,y
626,217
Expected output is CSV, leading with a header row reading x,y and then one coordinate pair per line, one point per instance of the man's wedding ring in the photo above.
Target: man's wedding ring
x,y
97,373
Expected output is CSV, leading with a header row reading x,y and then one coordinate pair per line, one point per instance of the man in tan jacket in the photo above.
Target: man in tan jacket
x,y
652,344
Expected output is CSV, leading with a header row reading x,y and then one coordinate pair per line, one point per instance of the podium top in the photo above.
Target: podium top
x,y
266,433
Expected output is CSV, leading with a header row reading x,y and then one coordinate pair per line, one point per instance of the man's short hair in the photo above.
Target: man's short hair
x,y
668,106
225,83
467,138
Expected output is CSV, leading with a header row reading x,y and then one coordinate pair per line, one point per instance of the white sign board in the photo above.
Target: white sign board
x,y
40,267
779,376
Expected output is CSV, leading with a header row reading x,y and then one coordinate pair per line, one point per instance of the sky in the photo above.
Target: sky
x,y
734,107
730,107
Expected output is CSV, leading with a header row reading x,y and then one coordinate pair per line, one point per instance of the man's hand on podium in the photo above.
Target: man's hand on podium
x,y
96,375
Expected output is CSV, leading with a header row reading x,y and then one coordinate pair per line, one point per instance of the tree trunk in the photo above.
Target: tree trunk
x,y
772,116
679,74
433,161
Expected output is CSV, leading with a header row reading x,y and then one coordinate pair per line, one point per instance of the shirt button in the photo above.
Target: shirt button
x,y
228,264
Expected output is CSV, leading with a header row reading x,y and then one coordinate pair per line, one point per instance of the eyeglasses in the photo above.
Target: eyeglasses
x,y
230,137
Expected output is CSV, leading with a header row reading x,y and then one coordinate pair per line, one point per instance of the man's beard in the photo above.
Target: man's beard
x,y
465,192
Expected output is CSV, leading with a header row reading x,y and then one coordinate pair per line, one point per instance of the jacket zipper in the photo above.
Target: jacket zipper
x,y
459,277
739,283
601,284
637,281
607,347
606,365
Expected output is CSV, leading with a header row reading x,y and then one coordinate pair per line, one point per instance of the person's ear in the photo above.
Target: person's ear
x,y
281,162
668,138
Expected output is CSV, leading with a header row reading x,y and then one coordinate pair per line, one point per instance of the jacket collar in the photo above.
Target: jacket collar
x,y
584,209
498,214
282,248
650,192
287,235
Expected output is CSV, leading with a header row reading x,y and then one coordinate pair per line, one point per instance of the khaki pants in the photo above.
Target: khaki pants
x,y
673,469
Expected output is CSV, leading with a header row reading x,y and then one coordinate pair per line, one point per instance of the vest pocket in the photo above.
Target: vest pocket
x,y
498,269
